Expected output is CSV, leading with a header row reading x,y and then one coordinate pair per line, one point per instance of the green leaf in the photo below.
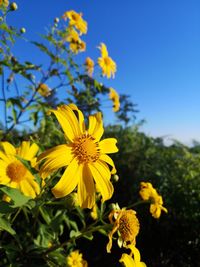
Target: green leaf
x,y
6,226
18,198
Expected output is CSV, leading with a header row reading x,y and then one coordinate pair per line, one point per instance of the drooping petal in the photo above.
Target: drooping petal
x,y
127,260
108,145
69,180
101,175
96,126
27,189
107,159
8,148
56,158
86,189
68,121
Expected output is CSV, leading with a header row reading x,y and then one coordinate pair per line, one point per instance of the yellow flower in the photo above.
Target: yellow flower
x,y
106,63
13,173
128,260
89,65
4,3
85,156
126,223
75,43
75,259
76,20
43,90
147,192
113,95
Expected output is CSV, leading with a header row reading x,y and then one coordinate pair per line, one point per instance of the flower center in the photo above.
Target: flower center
x,y
129,226
107,61
16,171
86,149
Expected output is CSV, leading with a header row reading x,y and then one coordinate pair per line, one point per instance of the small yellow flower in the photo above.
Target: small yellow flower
x,y
4,3
126,222
94,213
106,63
147,192
76,20
75,259
129,261
43,90
13,173
75,43
84,154
89,65
113,95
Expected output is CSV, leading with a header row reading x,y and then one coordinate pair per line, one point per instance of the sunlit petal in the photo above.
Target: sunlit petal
x,y
108,145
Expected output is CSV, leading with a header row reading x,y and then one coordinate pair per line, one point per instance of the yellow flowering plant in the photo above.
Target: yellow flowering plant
x,y
57,173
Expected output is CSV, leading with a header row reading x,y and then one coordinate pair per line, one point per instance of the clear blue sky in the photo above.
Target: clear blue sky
x,y
156,44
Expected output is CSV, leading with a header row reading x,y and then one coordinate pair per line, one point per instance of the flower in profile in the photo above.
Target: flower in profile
x,y
4,3
76,20
89,65
13,173
43,90
84,154
75,259
147,192
129,261
113,95
75,43
106,63
126,222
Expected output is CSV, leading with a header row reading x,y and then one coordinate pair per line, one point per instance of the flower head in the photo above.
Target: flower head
x,y
129,261
89,65
13,172
147,192
126,222
76,45
113,95
84,154
106,63
43,90
75,259
76,20
4,3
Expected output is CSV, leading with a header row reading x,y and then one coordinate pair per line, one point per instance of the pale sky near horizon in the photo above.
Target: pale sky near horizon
x,y
156,45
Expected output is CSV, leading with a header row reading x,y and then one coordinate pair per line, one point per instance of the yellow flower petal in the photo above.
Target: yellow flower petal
x,y
69,180
8,148
68,121
108,160
108,145
57,157
101,175
127,260
27,189
96,126
86,189
80,116
23,150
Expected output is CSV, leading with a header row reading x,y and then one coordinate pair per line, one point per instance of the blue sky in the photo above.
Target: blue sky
x,y
156,45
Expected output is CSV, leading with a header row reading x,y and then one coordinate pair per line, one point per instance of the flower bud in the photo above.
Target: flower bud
x,y
22,30
56,20
13,6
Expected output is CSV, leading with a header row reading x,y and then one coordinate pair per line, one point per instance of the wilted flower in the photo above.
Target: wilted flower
x,y
85,155
147,192
126,222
